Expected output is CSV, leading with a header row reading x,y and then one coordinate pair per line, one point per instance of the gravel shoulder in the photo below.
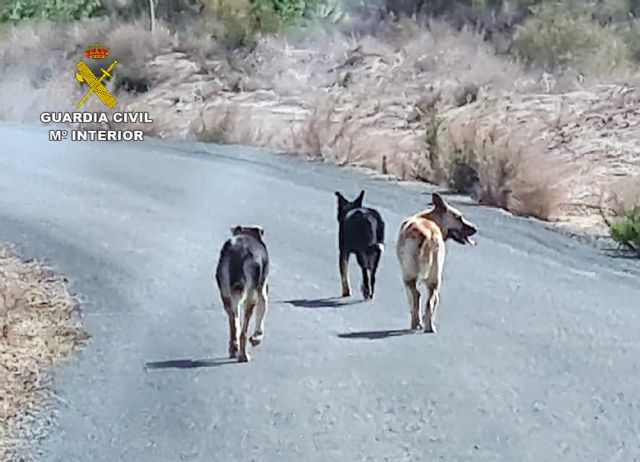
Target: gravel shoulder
x,y
39,325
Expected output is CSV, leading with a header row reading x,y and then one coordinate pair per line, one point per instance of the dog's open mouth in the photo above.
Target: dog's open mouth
x,y
462,237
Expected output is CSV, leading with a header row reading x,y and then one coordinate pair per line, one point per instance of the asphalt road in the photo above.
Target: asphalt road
x,y
536,359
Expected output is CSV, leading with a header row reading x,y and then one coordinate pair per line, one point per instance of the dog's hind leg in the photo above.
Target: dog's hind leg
x,y
248,311
366,273
413,295
375,260
233,327
344,275
261,311
434,282
431,307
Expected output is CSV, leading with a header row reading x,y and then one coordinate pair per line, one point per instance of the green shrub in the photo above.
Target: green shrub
x,y
559,36
286,10
235,31
626,230
58,10
236,24
211,135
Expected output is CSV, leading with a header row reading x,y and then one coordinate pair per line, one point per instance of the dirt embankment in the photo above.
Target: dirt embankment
x,y
39,324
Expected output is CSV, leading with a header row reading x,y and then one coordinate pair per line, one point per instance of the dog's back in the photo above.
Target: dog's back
x,y
361,229
243,265
418,247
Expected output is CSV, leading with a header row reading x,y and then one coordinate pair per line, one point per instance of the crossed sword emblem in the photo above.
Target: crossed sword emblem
x,y
84,74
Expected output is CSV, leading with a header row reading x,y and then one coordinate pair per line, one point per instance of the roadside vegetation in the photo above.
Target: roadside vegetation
x,y
622,214
626,230
39,325
527,105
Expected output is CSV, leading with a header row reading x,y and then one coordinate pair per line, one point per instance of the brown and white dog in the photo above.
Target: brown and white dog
x,y
421,250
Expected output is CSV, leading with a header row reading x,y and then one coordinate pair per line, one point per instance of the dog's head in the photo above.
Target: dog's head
x,y
255,231
452,223
345,206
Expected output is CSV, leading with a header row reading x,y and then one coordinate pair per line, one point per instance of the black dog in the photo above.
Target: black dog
x,y
361,231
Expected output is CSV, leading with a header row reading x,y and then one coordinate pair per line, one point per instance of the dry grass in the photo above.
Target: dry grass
x,y
499,166
39,324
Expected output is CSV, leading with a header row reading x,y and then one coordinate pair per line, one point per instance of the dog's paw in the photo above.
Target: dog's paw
x,y
430,329
233,351
244,358
365,292
256,339
346,292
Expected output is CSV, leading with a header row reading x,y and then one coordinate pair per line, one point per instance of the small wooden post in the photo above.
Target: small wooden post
x,y
152,13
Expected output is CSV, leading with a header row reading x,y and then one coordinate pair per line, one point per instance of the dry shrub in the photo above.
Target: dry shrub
x,y
196,41
500,168
337,130
398,61
322,127
134,47
215,128
39,324
523,181
237,23
519,181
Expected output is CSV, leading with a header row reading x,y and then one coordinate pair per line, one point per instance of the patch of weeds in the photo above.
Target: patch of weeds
x,y
625,231
211,135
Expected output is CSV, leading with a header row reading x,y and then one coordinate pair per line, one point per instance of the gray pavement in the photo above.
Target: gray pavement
x,y
536,359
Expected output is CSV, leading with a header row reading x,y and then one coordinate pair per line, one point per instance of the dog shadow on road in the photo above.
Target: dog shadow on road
x,y
331,302
189,363
377,334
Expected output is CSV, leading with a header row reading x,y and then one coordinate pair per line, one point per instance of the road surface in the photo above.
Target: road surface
x,y
537,356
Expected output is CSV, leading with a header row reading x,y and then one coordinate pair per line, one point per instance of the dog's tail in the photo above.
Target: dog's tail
x,y
372,231
372,254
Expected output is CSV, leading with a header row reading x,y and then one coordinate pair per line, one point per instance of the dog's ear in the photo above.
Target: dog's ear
x,y
359,199
438,201
341,200
235,230
260,230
